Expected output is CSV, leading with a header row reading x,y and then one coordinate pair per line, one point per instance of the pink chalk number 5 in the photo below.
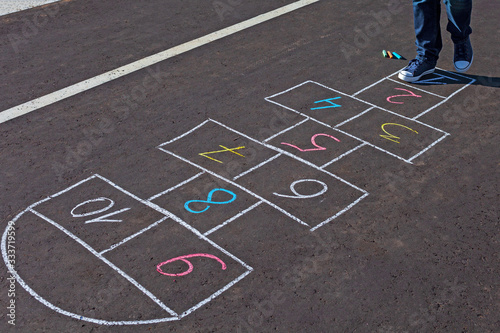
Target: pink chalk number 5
x,y
313,141
190,265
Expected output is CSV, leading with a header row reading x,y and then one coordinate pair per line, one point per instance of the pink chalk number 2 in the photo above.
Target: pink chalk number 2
x,y
190,265
411,94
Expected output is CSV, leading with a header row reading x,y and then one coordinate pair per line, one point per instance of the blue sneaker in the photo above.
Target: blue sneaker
x,y
415,70
463,56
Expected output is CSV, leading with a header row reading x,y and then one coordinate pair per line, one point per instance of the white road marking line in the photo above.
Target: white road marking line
x,y
13,6
98,80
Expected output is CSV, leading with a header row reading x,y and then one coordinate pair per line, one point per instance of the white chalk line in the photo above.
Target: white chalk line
x,y
184,134
238,186
232,218
356,116
429,147
51,306
341,212
343,155
413,87
289,89
444,101
374,84
257,166
286,130
106,261
114,246
217,293
176,186
98,80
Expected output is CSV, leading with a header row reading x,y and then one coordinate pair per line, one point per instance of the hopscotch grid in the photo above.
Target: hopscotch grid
x,y
423,90
293,217
343,155
232,218
279,150
256,167
114,246
356,116
176,186
175,218
106,261
440,103
286,130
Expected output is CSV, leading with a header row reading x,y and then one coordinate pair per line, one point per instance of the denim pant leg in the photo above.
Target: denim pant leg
x,y
426,14
459,14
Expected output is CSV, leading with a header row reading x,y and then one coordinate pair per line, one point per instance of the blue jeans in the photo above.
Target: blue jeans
x,y
426,15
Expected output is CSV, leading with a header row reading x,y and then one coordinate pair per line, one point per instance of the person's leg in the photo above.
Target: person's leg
x,y
426,16
459,16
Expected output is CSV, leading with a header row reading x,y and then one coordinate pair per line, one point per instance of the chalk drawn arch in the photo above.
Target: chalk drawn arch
x,y
53,307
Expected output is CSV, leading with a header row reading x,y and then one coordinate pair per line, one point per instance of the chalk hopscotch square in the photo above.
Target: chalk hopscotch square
x,y
314,142
218,149
205,202
441,82
400,98
193,273
320,102
399,136
96,208
308,195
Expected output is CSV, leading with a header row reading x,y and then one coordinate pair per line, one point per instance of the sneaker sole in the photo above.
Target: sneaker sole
x,y
414,78
466,68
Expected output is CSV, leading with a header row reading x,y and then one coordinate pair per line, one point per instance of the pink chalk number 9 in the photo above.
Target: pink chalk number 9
x,y
190,265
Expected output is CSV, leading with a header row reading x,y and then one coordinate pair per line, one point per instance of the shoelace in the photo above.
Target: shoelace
x,y
413,64
462,51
